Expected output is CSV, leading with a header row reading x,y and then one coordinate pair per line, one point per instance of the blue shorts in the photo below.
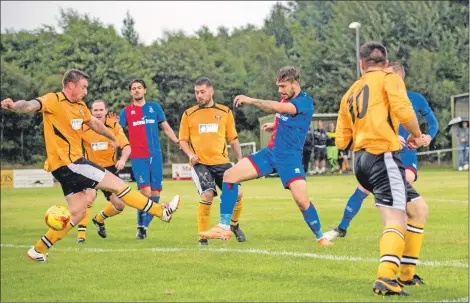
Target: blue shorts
x,y
410,161
148,172
289,168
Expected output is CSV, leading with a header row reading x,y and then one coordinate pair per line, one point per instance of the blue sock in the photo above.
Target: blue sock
x,y
148,217
312,220
352,208
140,218
228,199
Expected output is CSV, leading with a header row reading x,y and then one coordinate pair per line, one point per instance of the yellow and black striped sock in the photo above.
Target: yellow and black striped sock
x,y
237,210
392,244
51,237
108,211
136,200
413,241
82,225
203,215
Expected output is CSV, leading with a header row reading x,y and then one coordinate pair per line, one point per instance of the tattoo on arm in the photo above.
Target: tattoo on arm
x,y
23,106
265,105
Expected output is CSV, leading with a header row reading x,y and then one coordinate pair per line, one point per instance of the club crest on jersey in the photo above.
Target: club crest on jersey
x,y
81,113
217,117
132,112
77,123
297,170
208,128
151,110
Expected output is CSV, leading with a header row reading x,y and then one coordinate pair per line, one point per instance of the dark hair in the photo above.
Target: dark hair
x,y
373,53
203,81
288,73
99,101
137,81
73,75
397,67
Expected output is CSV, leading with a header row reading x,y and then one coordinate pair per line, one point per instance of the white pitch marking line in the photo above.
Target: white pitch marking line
x,y
449,263
463,299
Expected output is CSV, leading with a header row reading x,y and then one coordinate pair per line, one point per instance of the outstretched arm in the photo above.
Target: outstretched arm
x,y
21,106
267,105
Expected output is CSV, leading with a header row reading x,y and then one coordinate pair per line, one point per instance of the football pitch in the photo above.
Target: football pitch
x,y
279,262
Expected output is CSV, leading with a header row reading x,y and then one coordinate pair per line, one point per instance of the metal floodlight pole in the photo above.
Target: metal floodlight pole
x,y
356,26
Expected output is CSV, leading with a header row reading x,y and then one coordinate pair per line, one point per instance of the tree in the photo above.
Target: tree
x,y
128,30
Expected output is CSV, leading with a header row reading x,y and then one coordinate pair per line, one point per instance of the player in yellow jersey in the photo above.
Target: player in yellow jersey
x,y
63,115
204,131
370,113
99,150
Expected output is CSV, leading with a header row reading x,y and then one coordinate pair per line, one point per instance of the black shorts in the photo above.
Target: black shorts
x,y
343,153
112,169
206,177
319,153
78,176
384,176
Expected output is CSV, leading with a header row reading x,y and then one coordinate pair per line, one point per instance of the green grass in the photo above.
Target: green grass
x,y
129,270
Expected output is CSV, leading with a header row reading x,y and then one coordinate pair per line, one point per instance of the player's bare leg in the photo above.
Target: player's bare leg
x,y
242,171
298,189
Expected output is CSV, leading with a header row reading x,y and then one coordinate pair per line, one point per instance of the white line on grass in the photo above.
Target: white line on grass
x,y
449,263
463,299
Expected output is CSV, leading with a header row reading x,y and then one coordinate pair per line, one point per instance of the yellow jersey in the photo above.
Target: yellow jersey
x,y
98,148
62,121
371,112
207,130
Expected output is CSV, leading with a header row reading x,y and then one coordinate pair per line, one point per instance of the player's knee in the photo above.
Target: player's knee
x,y
90,197
229,176
208,196
77,215
419,210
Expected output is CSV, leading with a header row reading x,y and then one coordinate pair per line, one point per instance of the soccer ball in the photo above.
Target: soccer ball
x,y
57,217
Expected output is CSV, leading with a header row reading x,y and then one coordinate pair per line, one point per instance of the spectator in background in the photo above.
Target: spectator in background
x,y
462,136
308,148
331,148
319,151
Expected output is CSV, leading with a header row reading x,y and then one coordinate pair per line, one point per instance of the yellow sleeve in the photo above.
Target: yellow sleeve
x,y
86,114
344,125
120,135
184,128
49,103
231,131
400,105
